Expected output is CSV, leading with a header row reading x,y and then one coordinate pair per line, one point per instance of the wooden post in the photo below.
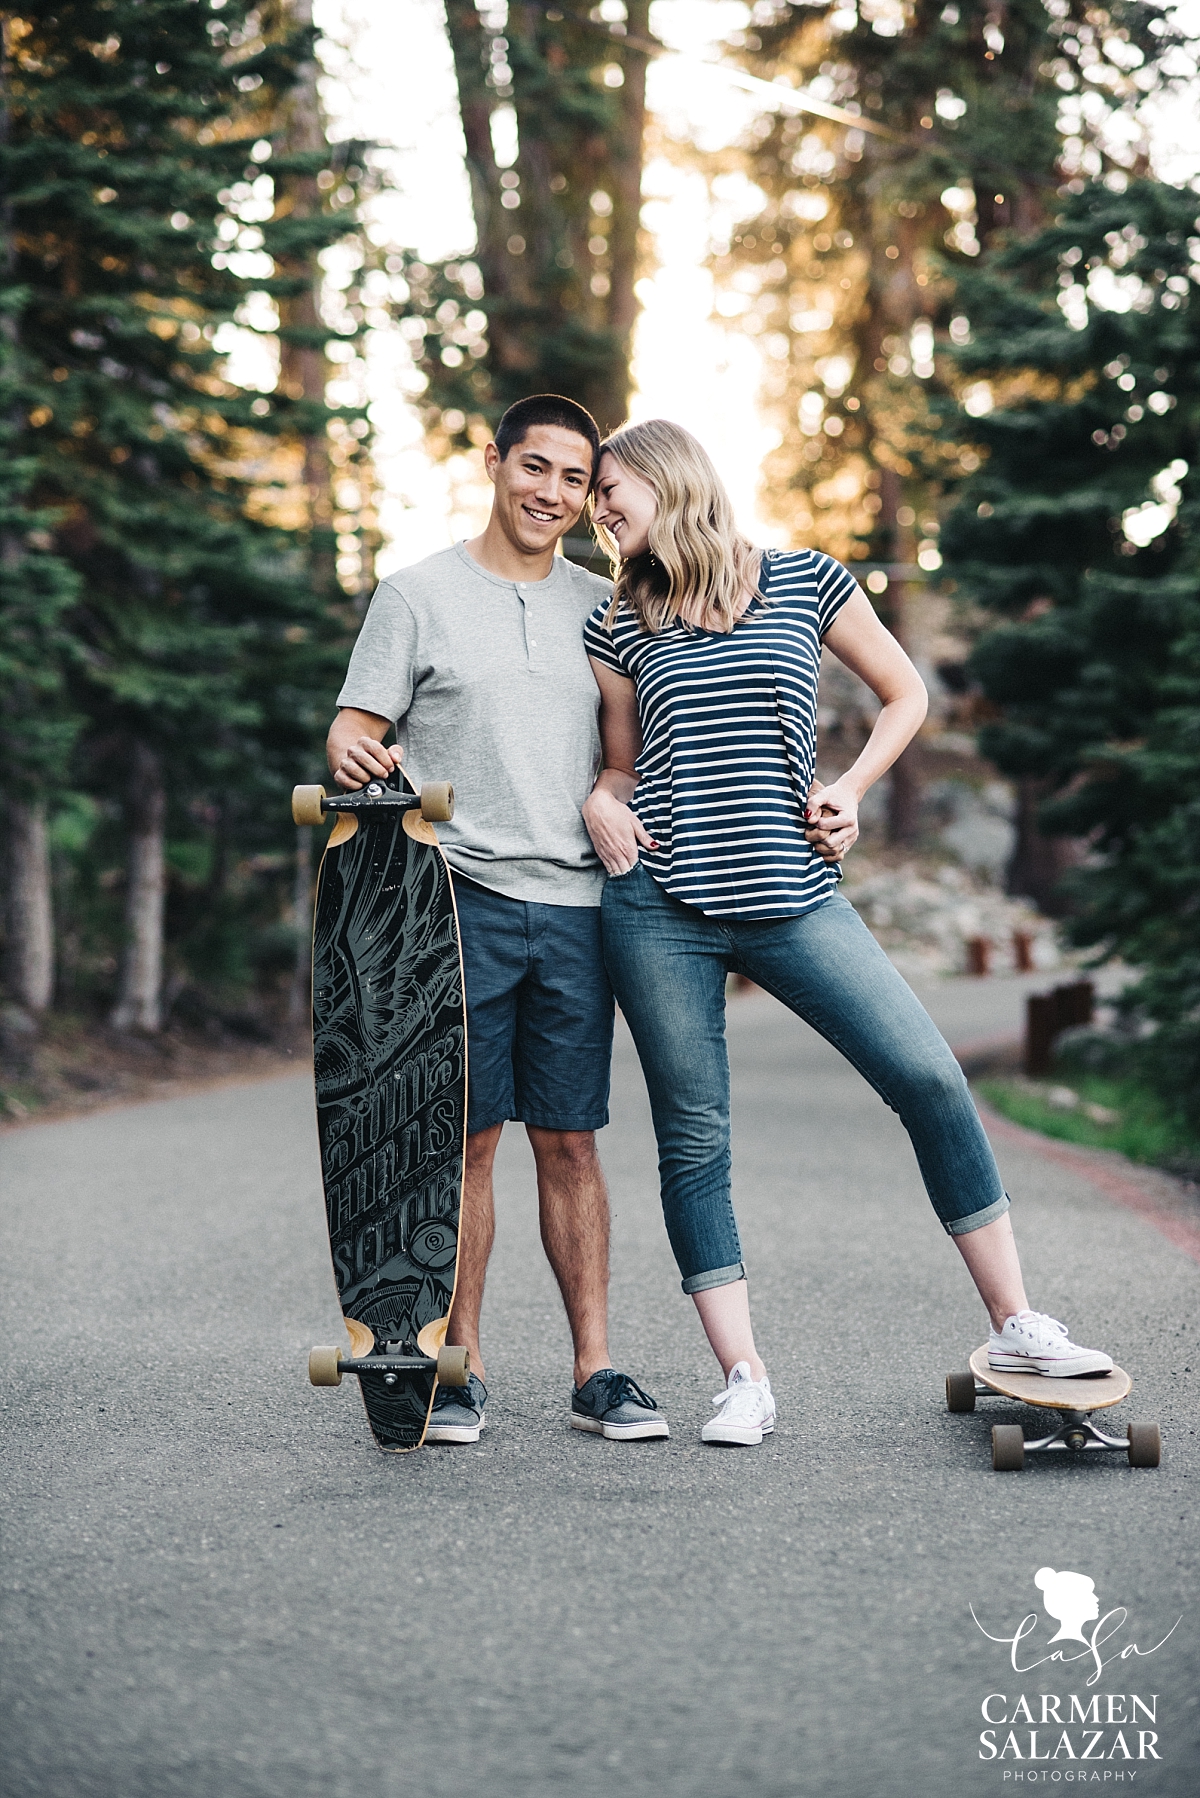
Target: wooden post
x,y
1023,941
1048,1014
979,955
1040,1031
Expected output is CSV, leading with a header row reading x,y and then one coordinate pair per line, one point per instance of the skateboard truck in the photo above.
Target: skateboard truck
x,y
452,1366
435,801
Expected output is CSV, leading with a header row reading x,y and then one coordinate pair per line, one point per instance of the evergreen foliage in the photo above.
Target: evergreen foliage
x,y
164,598
848,272
552,109
1081,534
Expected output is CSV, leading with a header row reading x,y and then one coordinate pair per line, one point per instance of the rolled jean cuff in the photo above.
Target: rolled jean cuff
x,y
962,1226
716,1276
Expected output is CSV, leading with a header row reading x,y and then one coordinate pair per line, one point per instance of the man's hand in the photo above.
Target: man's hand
x,y
355,751
832,814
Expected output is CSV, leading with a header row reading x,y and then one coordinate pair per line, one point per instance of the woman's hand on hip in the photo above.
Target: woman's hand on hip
x,y
832,814
615,832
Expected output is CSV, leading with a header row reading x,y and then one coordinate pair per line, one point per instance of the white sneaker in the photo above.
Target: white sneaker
x,y
1031,1342
745,1410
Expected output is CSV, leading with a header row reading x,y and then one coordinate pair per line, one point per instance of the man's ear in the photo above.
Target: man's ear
x,y
491,461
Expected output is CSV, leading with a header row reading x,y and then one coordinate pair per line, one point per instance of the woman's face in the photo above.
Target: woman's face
x,y
625,507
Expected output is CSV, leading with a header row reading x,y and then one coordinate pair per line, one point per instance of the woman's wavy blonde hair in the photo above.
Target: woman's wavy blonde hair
x,y
698,563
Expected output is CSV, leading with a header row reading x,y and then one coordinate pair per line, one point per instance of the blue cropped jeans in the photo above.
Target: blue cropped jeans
x,y
668,964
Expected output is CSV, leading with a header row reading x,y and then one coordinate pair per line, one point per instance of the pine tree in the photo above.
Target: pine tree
x,y
848,272
1081,532
143,216
553,111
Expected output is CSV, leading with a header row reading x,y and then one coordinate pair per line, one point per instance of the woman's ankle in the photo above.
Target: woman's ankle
x,y
757,1368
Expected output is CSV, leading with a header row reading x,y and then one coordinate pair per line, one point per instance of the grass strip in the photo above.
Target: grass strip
x,y
1144,1129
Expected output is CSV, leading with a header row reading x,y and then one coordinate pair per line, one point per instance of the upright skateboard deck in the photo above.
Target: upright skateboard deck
x,y
390,1060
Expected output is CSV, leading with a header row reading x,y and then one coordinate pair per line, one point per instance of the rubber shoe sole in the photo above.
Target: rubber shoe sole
x,y
733,1435
454,1432
653,1430
1066,1369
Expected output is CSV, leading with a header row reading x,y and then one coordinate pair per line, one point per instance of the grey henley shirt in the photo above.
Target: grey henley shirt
x,y
489,686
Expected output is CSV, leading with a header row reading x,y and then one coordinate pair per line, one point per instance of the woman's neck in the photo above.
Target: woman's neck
x,y
706,621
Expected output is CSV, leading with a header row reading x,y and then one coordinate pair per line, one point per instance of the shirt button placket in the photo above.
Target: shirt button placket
x,y
530,627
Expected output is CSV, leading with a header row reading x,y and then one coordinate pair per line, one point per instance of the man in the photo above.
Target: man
x,y
476,655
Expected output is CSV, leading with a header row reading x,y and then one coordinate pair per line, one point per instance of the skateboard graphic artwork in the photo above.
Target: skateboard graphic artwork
x,y
390,1069
1076,1399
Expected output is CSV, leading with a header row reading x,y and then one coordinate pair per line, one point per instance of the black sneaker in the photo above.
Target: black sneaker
x,y
457,1414
611,1404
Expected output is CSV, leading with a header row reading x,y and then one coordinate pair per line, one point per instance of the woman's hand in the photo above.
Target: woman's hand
x,y
614,830
832,814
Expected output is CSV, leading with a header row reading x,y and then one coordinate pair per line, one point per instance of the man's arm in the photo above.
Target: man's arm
x,y
355,749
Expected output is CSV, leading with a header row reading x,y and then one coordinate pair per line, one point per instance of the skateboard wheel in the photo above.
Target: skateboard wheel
x,y
308,805
1008,1447
323,1368
437,801
960,1392
453,1366
1145,1445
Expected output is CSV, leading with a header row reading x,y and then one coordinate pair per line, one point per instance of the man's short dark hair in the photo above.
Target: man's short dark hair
x,y
547,409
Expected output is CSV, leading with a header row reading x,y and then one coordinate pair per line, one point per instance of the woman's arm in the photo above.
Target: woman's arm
x,y
860,641
614,830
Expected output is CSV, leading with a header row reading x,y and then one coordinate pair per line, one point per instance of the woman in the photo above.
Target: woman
x,y
723,851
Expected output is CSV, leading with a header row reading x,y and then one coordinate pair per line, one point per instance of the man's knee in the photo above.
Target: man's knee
x,y
573,1149
483,1142
481,1148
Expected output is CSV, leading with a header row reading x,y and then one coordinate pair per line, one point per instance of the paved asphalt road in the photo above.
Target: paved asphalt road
x,y
215,1587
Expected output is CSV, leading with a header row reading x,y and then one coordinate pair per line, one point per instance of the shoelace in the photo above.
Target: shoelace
x,y
743,1396
1050,1325
619,1386
461,1396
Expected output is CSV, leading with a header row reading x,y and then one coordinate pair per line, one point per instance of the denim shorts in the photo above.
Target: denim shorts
x,y
539,1012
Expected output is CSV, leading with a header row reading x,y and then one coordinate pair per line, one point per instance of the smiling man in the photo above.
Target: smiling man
x,y
476,656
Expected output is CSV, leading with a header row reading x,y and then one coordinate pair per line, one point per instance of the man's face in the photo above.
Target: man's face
x,y
541,486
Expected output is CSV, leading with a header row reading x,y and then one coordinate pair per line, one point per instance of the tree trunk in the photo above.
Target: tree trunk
x,y
302,366
904,783
1038,863
300,997
559,267
904,801
627,218
139,1005
31,914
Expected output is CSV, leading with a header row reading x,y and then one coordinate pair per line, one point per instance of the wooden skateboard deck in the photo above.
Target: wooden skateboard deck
x,y
1087,1392
1074,1398
390,1064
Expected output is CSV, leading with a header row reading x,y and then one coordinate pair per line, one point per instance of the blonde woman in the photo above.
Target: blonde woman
x,y
722,854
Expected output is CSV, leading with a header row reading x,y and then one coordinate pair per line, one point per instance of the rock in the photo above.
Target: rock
x,y
925,919
1063,1098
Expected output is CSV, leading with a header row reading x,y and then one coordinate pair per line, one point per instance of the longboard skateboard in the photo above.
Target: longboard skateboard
x,y
1076,1399
390,1065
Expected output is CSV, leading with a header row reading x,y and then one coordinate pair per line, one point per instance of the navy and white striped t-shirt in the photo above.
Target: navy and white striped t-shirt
x,y
729,733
